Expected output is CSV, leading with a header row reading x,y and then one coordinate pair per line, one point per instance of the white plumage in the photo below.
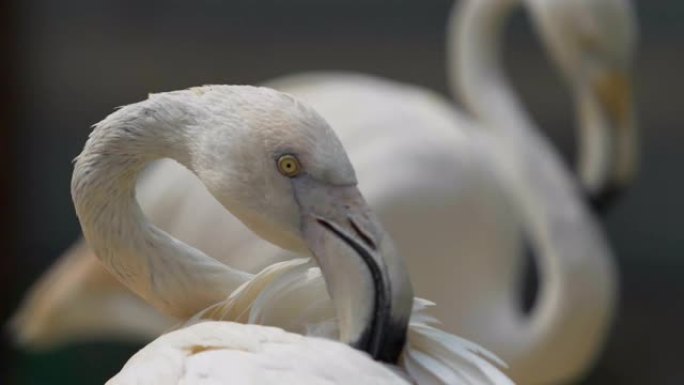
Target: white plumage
x,y
445,201
296,287
234,138
230,353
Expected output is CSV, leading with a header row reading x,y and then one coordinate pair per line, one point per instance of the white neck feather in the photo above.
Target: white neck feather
x,y
578,278
174,277
474,63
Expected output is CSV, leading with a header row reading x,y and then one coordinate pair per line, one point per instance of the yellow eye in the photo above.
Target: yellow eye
x,y
289,166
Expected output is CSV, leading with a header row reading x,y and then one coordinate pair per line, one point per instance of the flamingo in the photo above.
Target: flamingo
x,y
276,165
442,178
233,353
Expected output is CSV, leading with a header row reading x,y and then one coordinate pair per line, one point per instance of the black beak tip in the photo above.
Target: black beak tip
x,y
604,200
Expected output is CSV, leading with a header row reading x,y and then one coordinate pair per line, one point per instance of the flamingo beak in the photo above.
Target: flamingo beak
x,y
615,138
614,91
365,277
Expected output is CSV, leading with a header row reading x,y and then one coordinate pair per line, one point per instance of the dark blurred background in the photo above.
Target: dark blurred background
x,y
67,64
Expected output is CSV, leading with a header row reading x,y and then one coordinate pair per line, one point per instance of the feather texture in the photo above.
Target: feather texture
x,y
212,352
292,295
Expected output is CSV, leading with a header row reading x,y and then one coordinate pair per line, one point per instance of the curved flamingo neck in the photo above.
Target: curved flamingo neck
x,y
474,62
171,275
578,278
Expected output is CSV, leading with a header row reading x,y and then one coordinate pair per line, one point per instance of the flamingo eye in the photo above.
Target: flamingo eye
x,y
289,166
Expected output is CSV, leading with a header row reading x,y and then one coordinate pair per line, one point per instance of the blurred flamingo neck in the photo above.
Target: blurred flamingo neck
x,y
474,61
578,279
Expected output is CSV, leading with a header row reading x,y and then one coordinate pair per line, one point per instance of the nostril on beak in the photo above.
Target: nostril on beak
x,y
363,235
